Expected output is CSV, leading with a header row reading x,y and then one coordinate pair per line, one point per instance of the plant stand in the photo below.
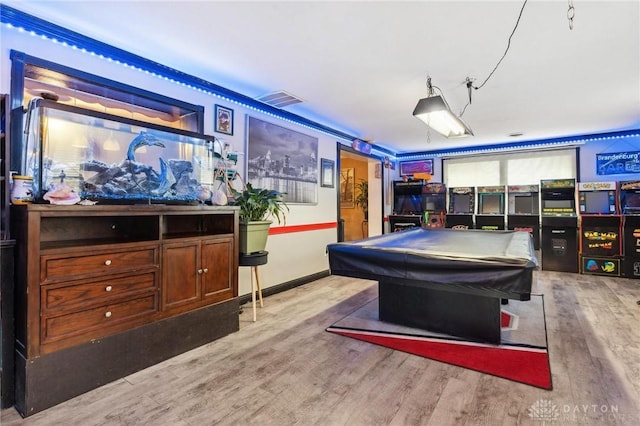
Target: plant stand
x,y
254,260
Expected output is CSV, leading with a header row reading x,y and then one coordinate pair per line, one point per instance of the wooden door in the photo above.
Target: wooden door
x,y
180,278
217,277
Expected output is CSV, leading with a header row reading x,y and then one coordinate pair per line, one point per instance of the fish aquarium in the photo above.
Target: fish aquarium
x,y
111,159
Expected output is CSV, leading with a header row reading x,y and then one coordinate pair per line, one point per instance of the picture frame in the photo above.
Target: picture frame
x,y
283,159
347,188
409,168
223,119
327,173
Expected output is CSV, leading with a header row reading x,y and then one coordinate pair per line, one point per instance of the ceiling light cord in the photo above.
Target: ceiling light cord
x,y
571,13
507,49
469,82
432,92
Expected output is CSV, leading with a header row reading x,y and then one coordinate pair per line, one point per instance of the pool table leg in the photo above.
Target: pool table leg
x,y
457,314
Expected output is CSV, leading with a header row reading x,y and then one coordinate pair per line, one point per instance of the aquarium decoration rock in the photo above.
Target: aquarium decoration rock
x,y
134,180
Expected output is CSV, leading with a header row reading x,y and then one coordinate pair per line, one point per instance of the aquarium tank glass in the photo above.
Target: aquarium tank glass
x,y
113,159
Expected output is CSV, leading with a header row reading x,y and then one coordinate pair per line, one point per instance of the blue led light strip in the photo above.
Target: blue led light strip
x,y
41,28
535,144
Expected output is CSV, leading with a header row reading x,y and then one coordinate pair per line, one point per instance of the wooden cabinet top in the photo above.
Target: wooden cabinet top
x,y
133,210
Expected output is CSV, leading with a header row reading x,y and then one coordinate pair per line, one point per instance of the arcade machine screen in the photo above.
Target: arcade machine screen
x,y
597,202
461,203
630,201
434,202
408,204
558,204
525,204
491,204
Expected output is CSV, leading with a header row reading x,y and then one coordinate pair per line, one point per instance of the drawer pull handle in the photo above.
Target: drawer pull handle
x,y
108,288
199,271
206,270
107,262
107,314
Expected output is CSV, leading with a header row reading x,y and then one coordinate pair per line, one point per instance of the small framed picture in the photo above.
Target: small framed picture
x,y
327,173
224,120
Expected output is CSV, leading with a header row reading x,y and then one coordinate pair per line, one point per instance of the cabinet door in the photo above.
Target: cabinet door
x,y
180,283
217,277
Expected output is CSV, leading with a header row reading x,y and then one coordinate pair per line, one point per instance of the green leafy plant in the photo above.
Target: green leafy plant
x,y
258,204
362,196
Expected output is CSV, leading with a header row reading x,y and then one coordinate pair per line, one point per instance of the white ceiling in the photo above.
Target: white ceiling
x,y
361,66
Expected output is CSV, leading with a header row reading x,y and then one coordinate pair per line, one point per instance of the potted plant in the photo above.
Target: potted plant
x,y
362,197
257,207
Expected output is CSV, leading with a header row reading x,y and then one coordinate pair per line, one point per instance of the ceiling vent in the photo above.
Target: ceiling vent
x,y
279,99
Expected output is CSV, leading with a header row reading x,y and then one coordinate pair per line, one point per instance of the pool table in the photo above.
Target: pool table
x,y
443,280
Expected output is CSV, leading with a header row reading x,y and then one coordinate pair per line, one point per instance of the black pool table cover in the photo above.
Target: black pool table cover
x,y
476,262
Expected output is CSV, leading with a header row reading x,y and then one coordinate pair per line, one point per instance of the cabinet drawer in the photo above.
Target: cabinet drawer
x,y
69,266
100,318
93,292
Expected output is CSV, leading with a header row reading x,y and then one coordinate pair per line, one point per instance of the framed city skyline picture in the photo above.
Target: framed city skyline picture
x,y
282,159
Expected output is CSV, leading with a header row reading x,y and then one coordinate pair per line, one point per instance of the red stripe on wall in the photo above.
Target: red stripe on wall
x,y
275,230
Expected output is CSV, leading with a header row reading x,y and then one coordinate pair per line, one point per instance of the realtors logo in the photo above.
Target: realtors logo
x,y
544,410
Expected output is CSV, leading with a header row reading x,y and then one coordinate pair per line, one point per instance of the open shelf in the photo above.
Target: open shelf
x,y
70,231
183,226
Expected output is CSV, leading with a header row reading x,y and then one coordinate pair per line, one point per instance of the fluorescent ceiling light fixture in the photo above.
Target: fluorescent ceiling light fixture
x,y
435,112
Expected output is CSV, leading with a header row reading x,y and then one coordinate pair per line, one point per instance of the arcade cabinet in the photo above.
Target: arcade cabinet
x,y
461,208
408,208
630,209
600,228
523,212
490,215
434,200
559,225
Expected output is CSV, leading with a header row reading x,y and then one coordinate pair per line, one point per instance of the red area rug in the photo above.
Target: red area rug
x,y
522,356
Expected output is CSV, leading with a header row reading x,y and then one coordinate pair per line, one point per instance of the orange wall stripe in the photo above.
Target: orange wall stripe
x,y
275,230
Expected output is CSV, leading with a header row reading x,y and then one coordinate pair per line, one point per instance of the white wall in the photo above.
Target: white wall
x,y
291,255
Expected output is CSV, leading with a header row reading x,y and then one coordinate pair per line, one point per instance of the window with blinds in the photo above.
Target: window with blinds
x,y
524,168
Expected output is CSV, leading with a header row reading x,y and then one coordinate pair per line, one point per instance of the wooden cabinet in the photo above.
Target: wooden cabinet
x,y
74,311
95,280
217,269
66,254
196,272
179,274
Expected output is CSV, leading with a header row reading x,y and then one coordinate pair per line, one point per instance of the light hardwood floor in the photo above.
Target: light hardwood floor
x,y
285,369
